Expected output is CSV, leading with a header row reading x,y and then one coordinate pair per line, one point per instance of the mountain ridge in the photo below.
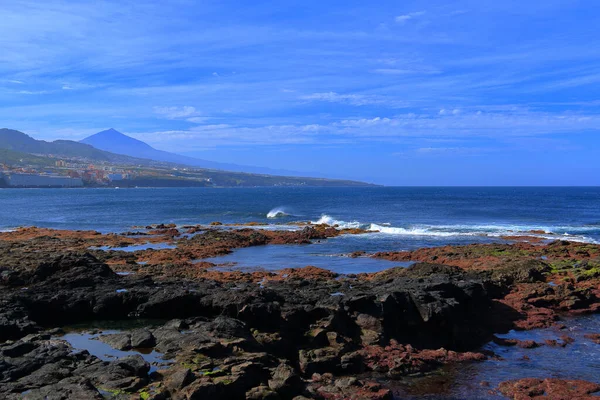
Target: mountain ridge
x,y
11,139
18,148
116,142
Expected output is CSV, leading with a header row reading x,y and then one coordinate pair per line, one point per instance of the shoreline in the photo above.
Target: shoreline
x,y
294,332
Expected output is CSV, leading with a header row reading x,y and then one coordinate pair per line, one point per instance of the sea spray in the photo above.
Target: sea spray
x,y
278,212
498,231
328,220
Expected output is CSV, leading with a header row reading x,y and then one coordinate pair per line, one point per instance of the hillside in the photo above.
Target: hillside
x,y
14,140
20,150
18,159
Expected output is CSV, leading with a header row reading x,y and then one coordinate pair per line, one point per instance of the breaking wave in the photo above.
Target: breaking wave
x,y
278,212
409,231
572,233
488,230
328,220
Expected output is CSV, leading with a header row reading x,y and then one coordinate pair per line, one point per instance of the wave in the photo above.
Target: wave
x,y
483,230
578,233
278,212
410,231
328,220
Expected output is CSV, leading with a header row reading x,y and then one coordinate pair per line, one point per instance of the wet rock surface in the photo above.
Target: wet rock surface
x,y
549,389
262,335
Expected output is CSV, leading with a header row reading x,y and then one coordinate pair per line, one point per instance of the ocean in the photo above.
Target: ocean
x,y
443,214
399,218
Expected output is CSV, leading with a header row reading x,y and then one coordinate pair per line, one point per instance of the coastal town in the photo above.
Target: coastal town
x,y
21,170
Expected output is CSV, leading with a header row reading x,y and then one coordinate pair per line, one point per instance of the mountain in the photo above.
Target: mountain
x,y
115,142
19,149
13,140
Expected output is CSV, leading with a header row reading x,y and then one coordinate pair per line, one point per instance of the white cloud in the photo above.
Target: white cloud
x,y
422,129
353,99
33,92
401,19
455,111
198,120
184,112
451,150
391,71
406,71
17,82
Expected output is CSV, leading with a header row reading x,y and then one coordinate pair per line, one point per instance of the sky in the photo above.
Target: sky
x,y
468,92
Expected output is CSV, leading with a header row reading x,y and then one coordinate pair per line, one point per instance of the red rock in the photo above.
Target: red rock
x,y
594,337
554,343
531,388
567,339
524,344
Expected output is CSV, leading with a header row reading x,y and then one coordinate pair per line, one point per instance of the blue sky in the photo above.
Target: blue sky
x,y
395,92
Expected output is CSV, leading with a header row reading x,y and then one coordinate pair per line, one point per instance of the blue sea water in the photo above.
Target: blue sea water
x,y
578,360
442,214
399,218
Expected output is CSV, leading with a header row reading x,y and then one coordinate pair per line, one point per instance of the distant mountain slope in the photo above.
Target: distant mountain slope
x,y
36,154
115,142
16,158
11,139
17,148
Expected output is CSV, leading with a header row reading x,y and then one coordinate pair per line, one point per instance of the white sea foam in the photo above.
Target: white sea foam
x,y
572,233
277,212
477,230
411,231
328,220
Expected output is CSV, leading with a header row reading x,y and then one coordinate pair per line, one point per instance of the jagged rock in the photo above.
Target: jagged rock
x,y
142,338
236,339
178,379
285,381
119,341
549,389
326,359
262,393
67,389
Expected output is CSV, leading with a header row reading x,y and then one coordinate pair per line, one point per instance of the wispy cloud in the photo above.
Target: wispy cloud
x,y
176,112
353,99
33,92
405,71
452,150
402,19
421,128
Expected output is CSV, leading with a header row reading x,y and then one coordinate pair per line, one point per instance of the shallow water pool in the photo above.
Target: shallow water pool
x,y
579,360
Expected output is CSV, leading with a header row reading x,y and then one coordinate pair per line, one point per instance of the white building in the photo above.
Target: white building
x,y
34,180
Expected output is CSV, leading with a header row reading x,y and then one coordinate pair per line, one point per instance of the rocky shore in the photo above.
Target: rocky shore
x,y
291,334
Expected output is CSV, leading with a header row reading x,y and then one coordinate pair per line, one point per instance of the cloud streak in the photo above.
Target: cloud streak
x,y
402,19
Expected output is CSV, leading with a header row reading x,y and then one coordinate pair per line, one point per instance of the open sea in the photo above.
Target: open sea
x,y
399,218
421,216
